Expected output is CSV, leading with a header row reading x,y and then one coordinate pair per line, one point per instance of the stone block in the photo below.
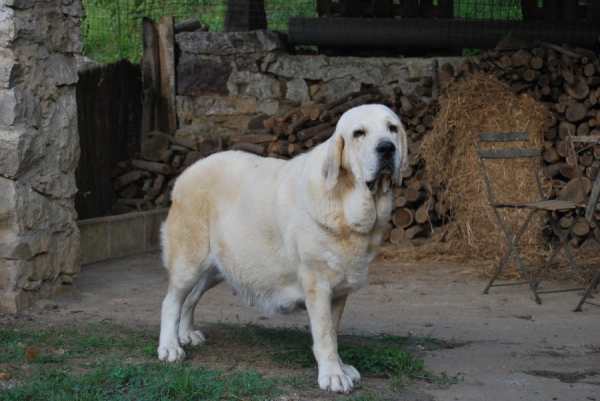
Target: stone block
x,y
8,108
7,26
20,4
335,88
64,40
19,149
62,69
260,86
95,240
231,43
191,109
297,90
13,301
232,106
10,71
24,247
196,77
268,107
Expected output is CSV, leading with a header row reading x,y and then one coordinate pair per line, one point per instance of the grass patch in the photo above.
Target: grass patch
x,y
110,362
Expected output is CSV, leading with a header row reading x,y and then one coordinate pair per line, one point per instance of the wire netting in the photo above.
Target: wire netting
x,y
112,29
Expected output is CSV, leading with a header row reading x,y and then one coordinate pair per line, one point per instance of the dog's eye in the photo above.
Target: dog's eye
x,y
393,129
358,133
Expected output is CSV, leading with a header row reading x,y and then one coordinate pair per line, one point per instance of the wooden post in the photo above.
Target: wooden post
x,y
166,52
151,77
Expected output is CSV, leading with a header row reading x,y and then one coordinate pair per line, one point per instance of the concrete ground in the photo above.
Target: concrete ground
x,y
513,348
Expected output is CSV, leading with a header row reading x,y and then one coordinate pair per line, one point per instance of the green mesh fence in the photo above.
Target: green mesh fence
x,y
112,29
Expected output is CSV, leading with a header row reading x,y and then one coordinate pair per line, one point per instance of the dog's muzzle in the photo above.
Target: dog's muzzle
x,y
386,154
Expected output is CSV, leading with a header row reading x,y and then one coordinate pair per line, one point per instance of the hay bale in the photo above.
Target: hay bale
x,y
481,103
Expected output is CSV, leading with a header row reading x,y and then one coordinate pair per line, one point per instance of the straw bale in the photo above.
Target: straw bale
x,y
481,103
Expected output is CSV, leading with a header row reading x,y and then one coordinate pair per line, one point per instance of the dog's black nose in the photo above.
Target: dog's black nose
x,y
386,149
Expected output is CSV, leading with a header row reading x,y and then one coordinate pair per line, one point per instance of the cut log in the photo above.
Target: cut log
x,y
308,133
128,178
155,146
251,138
153,167
576,191
411,232
260,150
576,112
403,217
191,158
397,235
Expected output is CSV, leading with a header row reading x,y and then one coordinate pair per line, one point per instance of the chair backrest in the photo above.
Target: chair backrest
x,y
517,152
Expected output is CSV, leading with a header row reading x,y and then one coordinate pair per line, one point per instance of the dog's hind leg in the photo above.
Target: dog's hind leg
x,y
188,333
183,277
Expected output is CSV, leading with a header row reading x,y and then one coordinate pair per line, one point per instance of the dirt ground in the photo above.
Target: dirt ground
x,y
513,349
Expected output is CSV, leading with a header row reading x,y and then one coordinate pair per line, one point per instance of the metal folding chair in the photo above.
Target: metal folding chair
x,y
592,206
544,205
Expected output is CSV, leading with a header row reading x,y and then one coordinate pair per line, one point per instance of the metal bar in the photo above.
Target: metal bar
x,y
588,293
502,136
563,245
507,153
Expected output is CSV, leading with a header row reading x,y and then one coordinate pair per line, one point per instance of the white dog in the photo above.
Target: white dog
x,y
284,234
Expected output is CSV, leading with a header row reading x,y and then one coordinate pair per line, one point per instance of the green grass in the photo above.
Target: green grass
x,y
110,362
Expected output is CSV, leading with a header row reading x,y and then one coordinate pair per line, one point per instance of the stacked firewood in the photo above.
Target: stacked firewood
x,y
567,81
417,210
145,183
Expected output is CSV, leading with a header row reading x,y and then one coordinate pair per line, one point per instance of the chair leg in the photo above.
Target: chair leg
x,y
513,248
562,245
588,292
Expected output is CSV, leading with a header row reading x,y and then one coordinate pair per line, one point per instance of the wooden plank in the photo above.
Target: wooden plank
x,y
166,52
586,139
507,153
593,10
324,8
502,136
151,77
442,33
552,10
571,10
446,9
530,10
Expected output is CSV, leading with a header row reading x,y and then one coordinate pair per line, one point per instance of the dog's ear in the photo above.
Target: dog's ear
x,y
403,154
333,161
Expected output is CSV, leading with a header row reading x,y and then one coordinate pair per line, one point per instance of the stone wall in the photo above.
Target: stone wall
x,y
227,81
39,149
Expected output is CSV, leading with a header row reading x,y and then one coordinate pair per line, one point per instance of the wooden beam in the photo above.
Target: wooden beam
x,y
444,33
151,77
166,52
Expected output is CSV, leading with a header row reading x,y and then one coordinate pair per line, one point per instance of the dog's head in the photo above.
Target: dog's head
x,y
370,142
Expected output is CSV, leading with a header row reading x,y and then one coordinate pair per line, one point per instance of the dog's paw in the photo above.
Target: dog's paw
x,y
337,383
171,354
351,372
194,337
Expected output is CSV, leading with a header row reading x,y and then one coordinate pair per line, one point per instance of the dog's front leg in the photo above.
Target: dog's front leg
x,y
324,332
337,308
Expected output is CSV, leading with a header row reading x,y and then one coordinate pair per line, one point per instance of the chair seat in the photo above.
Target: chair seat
x,y
552,204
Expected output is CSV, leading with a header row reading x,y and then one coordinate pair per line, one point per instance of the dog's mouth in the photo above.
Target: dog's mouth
x,y
382,182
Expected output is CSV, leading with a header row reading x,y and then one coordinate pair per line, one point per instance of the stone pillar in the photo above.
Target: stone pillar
x,y
39,149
